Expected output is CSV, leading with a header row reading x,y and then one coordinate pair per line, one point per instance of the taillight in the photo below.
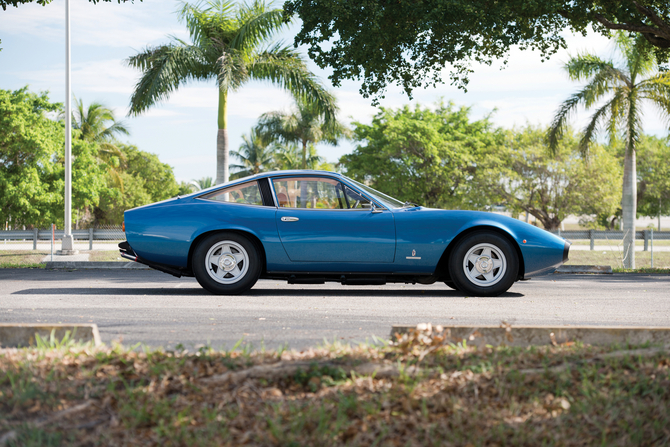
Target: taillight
x,y
123,226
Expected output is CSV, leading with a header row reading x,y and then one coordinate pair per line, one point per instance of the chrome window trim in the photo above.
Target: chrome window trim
x,y
222,191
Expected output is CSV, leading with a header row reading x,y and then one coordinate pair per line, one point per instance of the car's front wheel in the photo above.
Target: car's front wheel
x,y
484,264
226,264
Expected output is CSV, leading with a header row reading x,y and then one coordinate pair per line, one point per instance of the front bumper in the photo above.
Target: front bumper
x,y
566,250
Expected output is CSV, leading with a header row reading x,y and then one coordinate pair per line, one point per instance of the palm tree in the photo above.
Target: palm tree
x,y
203,183
97,124
623,89
256,156
290,156
230,44
305,125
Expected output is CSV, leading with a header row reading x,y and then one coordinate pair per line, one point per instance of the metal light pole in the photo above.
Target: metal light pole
x,y
68,244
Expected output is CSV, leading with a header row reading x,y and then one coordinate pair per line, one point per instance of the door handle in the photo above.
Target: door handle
x,y
289,219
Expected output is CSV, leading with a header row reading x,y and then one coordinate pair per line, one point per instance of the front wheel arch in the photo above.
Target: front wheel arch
x,y
442,269
257,243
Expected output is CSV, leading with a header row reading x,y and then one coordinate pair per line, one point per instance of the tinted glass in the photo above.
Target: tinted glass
x,y
309,192
246,193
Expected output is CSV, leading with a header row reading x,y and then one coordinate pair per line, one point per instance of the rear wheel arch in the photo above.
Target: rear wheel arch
x,y
257,243
442,269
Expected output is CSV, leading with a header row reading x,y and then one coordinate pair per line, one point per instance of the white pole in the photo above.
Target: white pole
x,y
67,243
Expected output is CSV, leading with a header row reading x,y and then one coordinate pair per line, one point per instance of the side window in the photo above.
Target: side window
x,y
246,193
309,192
355,200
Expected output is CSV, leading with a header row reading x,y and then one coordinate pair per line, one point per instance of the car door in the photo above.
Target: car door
x,y
321,220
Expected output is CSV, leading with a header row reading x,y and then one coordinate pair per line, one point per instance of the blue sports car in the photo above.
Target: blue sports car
x,y
309,227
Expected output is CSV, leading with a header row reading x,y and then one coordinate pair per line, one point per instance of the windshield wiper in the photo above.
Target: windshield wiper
x,y
409,204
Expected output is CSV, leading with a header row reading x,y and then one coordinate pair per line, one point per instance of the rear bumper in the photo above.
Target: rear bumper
x,y
127,252
566,250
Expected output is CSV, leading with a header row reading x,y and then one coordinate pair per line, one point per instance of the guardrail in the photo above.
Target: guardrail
x,y
592,235
90,235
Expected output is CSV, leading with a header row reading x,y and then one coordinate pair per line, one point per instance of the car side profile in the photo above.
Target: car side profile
x,y
309,227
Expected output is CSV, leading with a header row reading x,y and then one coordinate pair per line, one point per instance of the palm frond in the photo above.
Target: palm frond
x,y
284,67
657,90
589,133
206,19
164,69
258,26
232,71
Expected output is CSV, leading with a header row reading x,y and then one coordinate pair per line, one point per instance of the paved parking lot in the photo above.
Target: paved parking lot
x,y
160,310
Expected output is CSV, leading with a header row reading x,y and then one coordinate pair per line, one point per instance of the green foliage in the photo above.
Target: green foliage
x,y
256,155
306,125
232,44
409,43
522,175
422,155
32,162
653,175
200,184
145,180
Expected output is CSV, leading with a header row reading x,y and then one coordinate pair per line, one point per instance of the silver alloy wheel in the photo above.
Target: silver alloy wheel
x,y
227,262
484,265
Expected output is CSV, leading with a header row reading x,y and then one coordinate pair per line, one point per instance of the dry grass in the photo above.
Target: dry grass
x,y
22,258
426,392
613,258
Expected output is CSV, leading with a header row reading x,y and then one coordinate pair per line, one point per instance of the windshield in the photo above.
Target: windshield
x,y
387,201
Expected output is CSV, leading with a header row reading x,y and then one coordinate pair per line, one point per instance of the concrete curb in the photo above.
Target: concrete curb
x,y
523,336
23,335
598,269
95,265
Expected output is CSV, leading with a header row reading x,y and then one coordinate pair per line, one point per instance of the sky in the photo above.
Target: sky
x,y
182,131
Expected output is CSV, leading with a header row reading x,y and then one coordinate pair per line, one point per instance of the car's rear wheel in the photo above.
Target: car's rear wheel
x,y
483,264
226,263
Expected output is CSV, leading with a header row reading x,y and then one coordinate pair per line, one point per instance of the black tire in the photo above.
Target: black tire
x,y
237,268
493,272
451,285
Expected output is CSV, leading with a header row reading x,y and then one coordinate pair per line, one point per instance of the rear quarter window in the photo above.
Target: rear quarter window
x,y
244,194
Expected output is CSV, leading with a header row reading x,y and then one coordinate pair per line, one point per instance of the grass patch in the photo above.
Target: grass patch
x,y
602,243
22,258
435,394
105,256
33,258
613,258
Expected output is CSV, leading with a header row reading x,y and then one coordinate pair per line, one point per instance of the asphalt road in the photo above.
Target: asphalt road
x,y
160,310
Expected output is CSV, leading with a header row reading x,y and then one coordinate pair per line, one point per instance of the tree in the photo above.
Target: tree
x,y
289,156
422,155
230,44
256,155
525,177
97,124
305,125
653,174
200,184
146,180
32,162
623,88
409,43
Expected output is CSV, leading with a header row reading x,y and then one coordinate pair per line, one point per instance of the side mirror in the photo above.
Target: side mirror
x,y
373,209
